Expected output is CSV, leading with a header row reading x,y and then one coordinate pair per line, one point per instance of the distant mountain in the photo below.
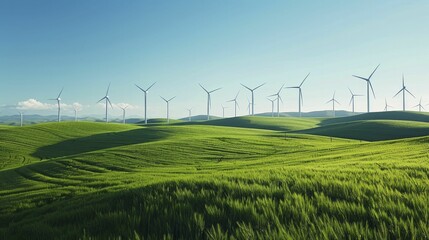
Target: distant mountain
x,y
199,118
314,114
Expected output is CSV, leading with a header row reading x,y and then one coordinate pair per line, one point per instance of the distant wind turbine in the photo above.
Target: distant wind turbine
x,y
123,113
107,99
190,114
253,96
145,91
272,106
333,100
209,101
420,105
279,98
58,99
352,99
168,107
249,104
21,114
300,98
235,104
75,113
368,85
386,106
403,90
223,111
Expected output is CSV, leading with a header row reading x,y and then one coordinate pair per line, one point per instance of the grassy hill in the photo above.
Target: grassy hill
x,y
207,181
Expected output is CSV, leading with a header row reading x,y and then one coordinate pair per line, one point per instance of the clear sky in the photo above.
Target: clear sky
x,y
84,45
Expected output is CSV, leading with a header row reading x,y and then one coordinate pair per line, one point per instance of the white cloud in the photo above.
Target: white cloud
x,y
33,104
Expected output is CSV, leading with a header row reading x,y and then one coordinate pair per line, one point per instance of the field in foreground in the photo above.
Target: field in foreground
x,y
242,178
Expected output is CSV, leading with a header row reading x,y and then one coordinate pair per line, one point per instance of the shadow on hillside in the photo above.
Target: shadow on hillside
x,y
238,122
396,115
99,142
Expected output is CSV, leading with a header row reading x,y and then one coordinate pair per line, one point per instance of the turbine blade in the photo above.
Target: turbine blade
x,y
273,95
98,100
281,89
164,99
350,91
172,98
304,80
59,95
360,77
108,100
292,87
246,87
329,101
108,88
398,92
372,89
203,88
259,86
351,100
373,72
337,102
410,93
237,95
140,88
215,90
150,86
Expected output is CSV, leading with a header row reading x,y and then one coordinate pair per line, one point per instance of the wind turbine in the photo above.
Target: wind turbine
x,y
21,114
403,90
386,106
75,113
123,113
300,98
168,109
333,100
279,98
352,99
190,114
223,111
145,91
209,101
272,106
253,97
368,85
107,99
235,104
58,99
420,105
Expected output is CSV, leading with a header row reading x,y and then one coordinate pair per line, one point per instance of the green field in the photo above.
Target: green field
x,y
360,177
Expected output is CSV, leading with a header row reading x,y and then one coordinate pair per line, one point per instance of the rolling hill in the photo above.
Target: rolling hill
x,y
242,178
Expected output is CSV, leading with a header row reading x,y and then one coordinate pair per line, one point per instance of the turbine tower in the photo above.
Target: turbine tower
x,y
75,114
272,106
168,107
300,98
145,91
190,114
107,99
403,90
209,101
386,106
279,98
123,113
253,96
235,104
333,100
58,99
223,111
420,105
21,114
368,85
352,99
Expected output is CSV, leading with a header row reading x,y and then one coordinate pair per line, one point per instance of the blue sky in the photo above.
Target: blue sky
x,y
84,45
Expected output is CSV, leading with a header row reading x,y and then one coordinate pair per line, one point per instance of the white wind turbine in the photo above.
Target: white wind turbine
x,y
279,98
352,99
145,91
272,106
209,101
300,97
190,114
107,99
403,90
333,100
420,105
58,99
168,107
235,104
123,112
223,111
368,85
21,115
253,96
386,106
75,113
